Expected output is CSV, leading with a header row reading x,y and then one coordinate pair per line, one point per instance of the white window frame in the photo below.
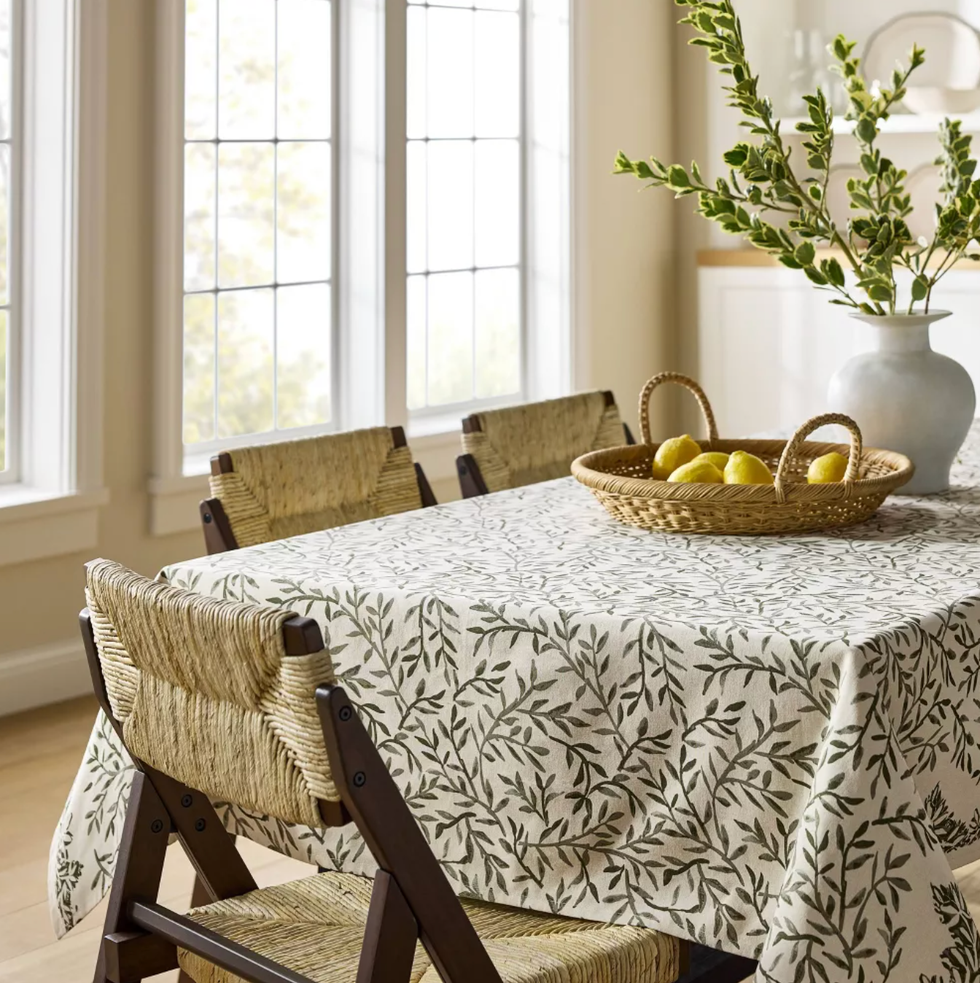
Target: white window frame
x,y
14,438
370,275
50,500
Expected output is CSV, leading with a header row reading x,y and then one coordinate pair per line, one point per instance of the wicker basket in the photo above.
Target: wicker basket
x,y
620,478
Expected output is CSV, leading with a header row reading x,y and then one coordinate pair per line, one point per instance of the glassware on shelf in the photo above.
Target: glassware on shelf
x,y
810,71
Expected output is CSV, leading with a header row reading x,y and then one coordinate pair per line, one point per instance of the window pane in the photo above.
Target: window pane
x,y
198,368
463,212
498,333
245,364
304,69
497,202
4,223
415,89
246,190
3,390
450,72
450,333
200,71
6,68
258,212
199,218
450,205
247,69
303,355
498,74
416,206
416,343
303,212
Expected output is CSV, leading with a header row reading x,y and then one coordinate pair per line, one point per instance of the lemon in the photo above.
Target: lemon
x,y
672,453
827,469
697,472
746,469
718,458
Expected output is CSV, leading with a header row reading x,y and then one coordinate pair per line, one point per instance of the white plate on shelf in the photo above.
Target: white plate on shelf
x,y
935,99
952,49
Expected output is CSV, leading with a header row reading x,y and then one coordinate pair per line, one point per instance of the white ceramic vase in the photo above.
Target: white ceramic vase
x,y
907,398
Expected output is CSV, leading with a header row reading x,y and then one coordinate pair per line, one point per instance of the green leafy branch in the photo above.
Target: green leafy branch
x,y
762,181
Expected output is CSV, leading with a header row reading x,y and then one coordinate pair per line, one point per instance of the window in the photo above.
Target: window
x,y
258,201
465,159
363,218
52,270
46,202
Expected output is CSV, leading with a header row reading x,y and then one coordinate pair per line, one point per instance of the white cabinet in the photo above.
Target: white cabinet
x,y
769,342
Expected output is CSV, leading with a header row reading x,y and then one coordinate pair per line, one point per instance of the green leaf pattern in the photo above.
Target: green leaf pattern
x,y
766,745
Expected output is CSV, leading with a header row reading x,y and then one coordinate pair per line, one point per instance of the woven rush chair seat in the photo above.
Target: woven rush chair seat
x,y
272,491
315,926
522,445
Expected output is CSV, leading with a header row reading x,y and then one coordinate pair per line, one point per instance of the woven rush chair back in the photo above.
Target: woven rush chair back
x,y
273,491
521,445
205,693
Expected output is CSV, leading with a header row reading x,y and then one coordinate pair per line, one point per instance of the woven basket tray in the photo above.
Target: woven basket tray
x,y
620,478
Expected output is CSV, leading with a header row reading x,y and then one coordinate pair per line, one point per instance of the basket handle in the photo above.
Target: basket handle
x,y
687,383
793,446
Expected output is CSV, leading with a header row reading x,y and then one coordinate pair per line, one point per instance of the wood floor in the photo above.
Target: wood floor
x,y
39,754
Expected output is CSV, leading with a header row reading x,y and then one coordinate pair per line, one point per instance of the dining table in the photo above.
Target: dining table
x,y
769,745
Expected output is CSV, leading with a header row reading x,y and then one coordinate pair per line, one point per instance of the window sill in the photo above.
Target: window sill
x,y
35,525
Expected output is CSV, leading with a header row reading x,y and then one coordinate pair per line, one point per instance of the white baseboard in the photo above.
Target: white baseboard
x,y
48,674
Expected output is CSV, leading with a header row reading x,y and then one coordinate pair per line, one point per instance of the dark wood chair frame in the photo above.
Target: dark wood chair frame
x,y
471,482
218,536
411,899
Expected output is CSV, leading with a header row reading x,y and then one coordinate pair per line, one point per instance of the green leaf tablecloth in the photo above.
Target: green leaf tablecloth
x,y
767,745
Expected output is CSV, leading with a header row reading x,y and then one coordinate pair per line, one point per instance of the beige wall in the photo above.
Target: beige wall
x,y
624,240
691,80
623,261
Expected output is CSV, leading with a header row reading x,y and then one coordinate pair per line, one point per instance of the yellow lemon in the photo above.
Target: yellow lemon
x,y
672,453
697,472
827,469
718,458
746,469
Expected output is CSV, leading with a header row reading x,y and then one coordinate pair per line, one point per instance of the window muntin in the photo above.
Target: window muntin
x,y
258,333
464,209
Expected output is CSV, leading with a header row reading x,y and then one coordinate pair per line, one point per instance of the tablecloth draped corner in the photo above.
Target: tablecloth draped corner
x,y
770,745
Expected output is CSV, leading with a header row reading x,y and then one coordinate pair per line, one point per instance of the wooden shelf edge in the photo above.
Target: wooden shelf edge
x,y
751,258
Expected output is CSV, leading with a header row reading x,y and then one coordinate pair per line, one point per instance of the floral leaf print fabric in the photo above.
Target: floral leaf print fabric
x,y
767,745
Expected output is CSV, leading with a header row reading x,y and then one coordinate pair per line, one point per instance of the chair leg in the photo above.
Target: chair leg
x,y
390,935
100,976
138,870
